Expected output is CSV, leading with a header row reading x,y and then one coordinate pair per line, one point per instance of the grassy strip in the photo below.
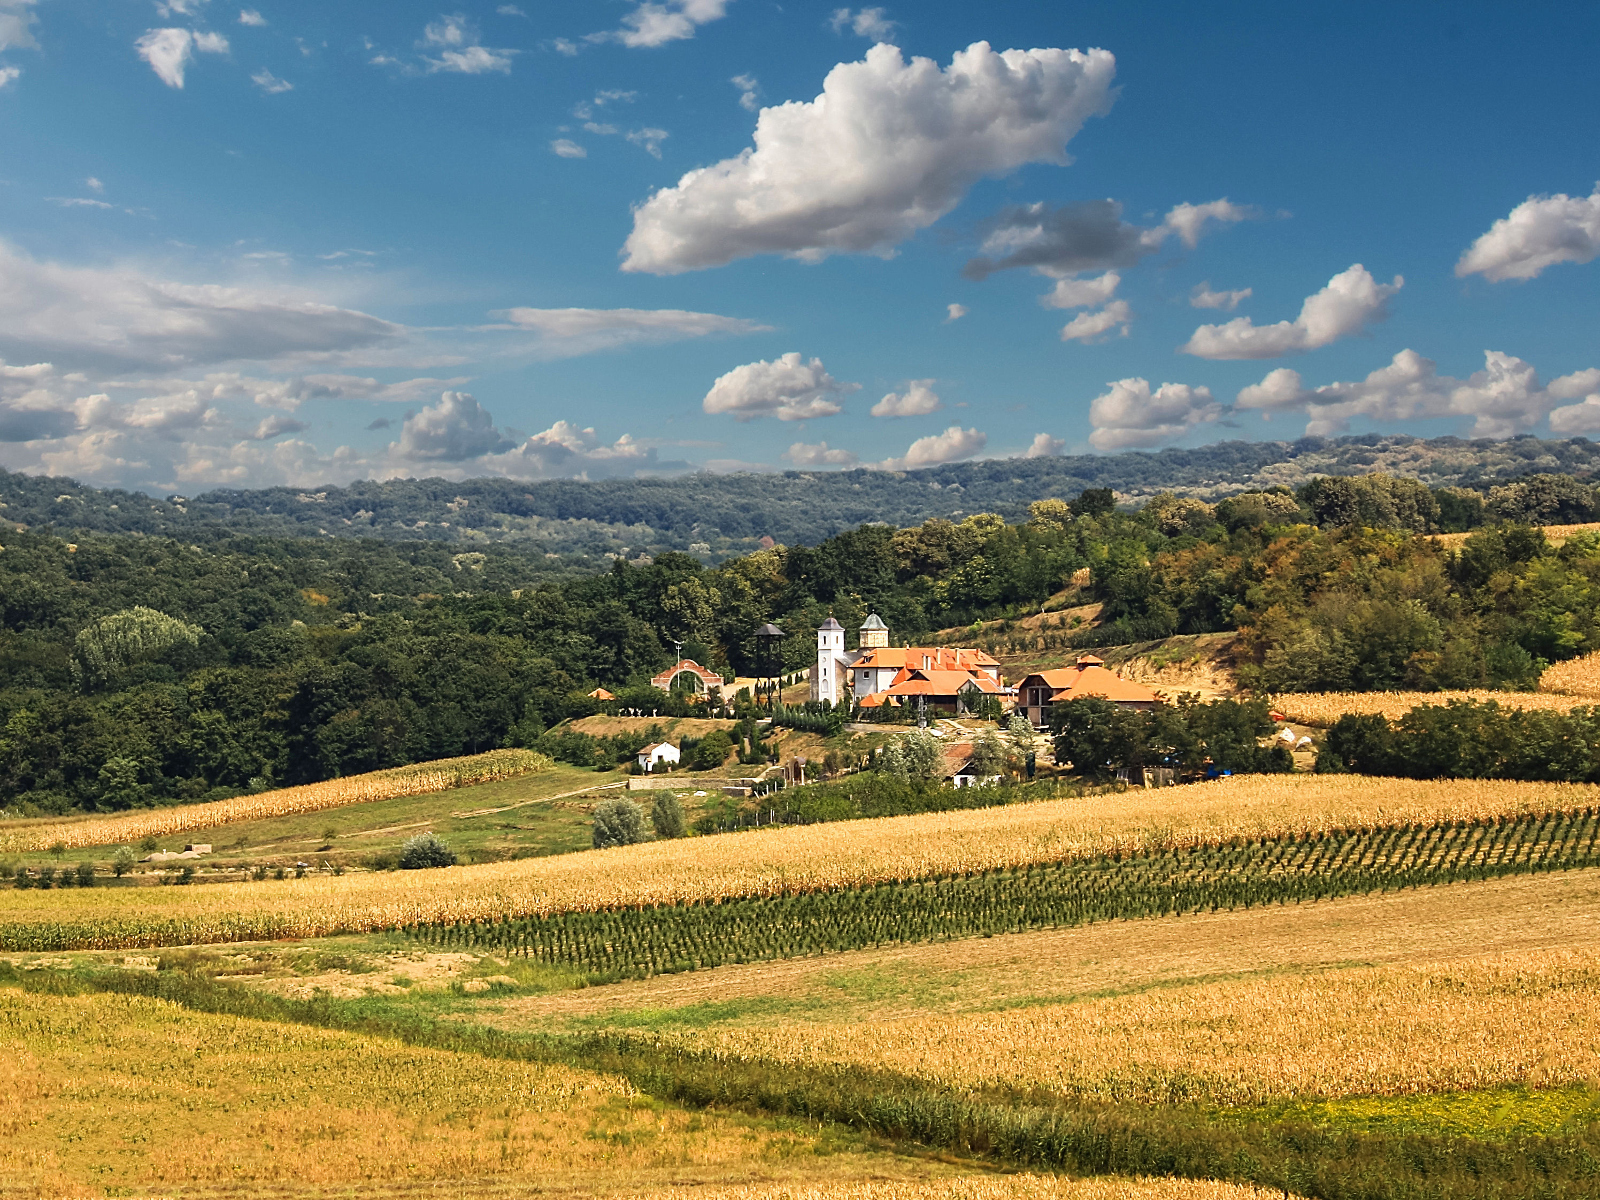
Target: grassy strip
x,y
1330,1164
634,942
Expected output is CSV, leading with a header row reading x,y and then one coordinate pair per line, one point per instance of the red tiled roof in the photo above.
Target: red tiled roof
x,y
1089,678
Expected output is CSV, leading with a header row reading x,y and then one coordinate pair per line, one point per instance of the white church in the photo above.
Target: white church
x,y
878,673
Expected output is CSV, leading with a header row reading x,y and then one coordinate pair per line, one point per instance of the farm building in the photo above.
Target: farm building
x,y
1087,677
658,756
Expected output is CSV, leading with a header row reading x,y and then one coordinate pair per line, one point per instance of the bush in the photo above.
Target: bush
x,y
712,751
86,874
425,850
618,823
666,814
122,861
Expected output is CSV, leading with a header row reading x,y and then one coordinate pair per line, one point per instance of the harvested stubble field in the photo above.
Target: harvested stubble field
x,y
101,1090
418,779
1525,1019
777,861
1324,708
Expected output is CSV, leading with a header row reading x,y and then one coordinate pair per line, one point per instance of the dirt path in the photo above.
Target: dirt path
x,y
1416,926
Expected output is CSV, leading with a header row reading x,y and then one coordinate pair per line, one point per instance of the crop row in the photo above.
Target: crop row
x,y
640,941
416,780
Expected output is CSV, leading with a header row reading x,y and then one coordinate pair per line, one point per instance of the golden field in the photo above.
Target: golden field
x,y
1521,1019
985,1187
784,859
132,1094
1575,677
1555,534
1324,708
416,780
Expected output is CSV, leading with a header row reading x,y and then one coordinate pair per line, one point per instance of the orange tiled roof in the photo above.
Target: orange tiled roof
x,y
940,658
1090,678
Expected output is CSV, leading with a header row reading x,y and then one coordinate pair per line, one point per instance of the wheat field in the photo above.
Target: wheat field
x,y
117,1095
1526,1018
416,780
768,862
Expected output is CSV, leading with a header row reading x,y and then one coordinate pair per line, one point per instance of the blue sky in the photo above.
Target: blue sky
x,y
305,243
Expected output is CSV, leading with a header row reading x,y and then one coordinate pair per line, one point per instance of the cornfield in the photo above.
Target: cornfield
x,y
1324,708
983,1187
646,941
1557,534
1575,677
781,861
415,780
1524,1019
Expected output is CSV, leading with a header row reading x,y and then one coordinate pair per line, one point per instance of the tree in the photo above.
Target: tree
x,y
666,814
988,755
712,751
916,755
425,850
618,823
1022,734
112,644
1097,737
122,861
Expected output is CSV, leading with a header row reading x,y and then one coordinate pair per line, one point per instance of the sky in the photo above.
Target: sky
x,y
299,243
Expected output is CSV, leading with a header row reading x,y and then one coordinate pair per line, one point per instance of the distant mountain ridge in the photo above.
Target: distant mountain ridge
x,y
717,515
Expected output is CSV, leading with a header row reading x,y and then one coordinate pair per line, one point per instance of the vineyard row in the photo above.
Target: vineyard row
x,y
634,942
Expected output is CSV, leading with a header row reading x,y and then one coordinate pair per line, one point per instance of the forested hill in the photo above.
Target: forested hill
x,y
718,515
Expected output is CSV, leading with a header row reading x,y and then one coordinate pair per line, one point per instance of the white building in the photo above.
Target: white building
x,y
658,754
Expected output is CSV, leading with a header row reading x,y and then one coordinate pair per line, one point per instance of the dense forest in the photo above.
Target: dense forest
x,y
142,670
716,516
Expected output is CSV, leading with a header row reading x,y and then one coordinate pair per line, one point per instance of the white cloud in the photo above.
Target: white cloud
x,y
802,454
788,388
94,185
887,149
16,27
918,400
567,148
117,318
566,451
79,202
657,24
954,312
1091,326
1540,232
1504,398
249,16
649,139
749,91
459,49
276,426
1089,236
7,74
864,22
1044,446
1130,416
180,8
1351,300
168,51
455,428
953,445
572,331
270,83
1082,293
1204,297
564,46
510,10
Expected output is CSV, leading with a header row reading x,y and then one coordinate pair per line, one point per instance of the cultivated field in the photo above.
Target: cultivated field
x,y
1575,677
768,862
1556,534
1525,1019
986,1187
418,779
144,1095
1324,708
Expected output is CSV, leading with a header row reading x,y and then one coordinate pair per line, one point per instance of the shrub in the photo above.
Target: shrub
x,y
85,874
425,850
712,751
666,814
122,861
618,823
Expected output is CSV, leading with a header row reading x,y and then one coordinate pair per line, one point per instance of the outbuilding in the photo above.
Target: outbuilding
x,y
658,756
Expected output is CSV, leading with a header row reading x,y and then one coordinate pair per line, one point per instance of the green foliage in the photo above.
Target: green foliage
x,y
916,756
112,644
666,816
1467,740
1100,739
425,850
85,874
122,861
618,823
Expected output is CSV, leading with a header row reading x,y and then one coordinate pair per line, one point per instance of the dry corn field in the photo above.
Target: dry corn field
x,y
984,1187
1556,534
415,780
771,862
1526,1018
105,1091
1324,708
1575,677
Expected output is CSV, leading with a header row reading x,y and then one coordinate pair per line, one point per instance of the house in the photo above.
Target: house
x,y
841,675
658,756
948,691
1087,677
